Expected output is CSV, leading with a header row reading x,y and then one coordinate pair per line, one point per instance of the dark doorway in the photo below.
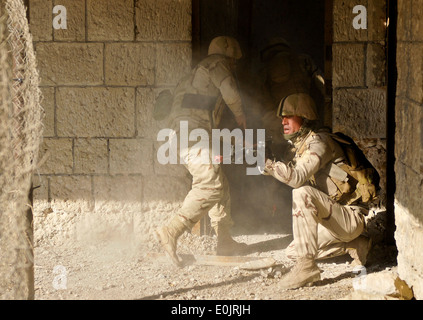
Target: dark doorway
x,y
260,203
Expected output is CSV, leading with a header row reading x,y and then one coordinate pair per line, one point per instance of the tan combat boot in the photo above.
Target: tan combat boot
x,y
168,236
304,272
226,245
358,249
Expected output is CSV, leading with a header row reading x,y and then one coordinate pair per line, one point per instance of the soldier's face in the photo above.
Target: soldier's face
x,y
291,124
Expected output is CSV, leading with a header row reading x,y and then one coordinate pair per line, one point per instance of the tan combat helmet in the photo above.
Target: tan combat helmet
x,y
298,104
274,46
226,46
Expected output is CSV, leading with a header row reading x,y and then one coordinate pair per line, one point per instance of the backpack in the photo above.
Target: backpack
x,y
358,167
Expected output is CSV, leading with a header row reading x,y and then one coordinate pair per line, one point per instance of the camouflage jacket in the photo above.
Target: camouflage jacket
x,y
211,78
315,162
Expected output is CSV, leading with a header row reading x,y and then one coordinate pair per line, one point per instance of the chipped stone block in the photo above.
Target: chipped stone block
x,y
71,193
348,65
173,62
415,91
110,20
343,16
417,21
47,103
70,63
375,65
75,21
41,20
118,193
163,20
403,57
408,138
404,20
95,112
131,156
409,231
129,64
58,156
91,156
355,107
168,189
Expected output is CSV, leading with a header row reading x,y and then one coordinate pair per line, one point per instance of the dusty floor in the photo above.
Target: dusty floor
x,y
118,270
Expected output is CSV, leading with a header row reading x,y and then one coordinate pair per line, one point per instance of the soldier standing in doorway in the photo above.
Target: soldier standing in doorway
x,y
200,99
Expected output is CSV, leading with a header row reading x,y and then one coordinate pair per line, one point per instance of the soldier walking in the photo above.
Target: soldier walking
x,y
200,99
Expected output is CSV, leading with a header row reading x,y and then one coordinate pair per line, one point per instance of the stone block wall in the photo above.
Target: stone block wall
x,y
359,78
99,77
409,144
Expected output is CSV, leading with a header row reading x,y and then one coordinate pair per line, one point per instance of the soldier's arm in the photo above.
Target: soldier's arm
x,y
224,80
315,157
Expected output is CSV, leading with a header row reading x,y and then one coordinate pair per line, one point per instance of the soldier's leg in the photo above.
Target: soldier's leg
x,y
221,222
311,207
328,246
206,192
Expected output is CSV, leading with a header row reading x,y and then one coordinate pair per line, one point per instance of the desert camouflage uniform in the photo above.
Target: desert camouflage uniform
x,y
210,191
211,87
322,227
286,73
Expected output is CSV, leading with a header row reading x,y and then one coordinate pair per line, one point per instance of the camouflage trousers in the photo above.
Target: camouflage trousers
x,y
321,226
209,190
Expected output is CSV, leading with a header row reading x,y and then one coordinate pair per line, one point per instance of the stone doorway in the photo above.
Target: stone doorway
x,y
260,203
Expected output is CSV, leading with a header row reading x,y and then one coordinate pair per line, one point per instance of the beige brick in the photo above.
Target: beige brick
x,y
409,189
404,20
75,20
408,139
163,20
41,20
59,156
376,61
71,193
403,69
348,65
343,17
147,127
173,62
131,156
70,63
129,64
409,232
376,20
415,90
95,112
40,183
118,188
417,21
91,156
168,189
110,20
47,104
360,113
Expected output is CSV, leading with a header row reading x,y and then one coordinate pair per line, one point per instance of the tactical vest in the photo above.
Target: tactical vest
x,y
356,180
363,178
